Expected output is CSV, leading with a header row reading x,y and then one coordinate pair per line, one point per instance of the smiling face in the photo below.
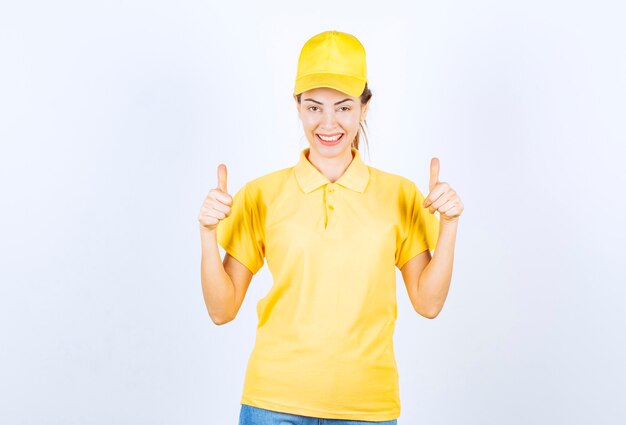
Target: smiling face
x,y
330,119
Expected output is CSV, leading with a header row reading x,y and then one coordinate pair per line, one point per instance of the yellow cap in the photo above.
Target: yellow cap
x,y
332,59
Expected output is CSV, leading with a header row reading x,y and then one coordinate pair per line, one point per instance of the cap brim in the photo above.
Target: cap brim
x,y
350,85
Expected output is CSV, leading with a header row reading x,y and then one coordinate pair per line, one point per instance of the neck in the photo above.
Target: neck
x,y
332,167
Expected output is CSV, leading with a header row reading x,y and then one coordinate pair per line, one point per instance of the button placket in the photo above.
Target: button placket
x,y
329,207
329,197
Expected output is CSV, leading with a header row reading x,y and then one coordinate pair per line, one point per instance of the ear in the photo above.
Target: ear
x,y
295,98
364,111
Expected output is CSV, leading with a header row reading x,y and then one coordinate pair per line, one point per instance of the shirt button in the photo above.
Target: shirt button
x,y
330,207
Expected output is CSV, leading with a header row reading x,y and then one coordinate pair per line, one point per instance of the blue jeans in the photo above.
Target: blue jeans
x,y
251,415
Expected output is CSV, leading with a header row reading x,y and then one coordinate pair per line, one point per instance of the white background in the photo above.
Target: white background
x,y
114,116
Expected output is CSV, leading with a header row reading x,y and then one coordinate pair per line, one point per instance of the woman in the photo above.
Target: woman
x,y
332,229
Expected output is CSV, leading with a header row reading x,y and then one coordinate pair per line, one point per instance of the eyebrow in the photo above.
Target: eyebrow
x,y
336,103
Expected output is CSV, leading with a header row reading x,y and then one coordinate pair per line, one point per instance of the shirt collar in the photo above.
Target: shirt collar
x,y
310,178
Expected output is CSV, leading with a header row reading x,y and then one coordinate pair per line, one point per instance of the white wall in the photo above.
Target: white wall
x,y
114,116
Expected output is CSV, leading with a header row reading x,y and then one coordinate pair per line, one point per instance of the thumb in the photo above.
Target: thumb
x,y
221,177
434,173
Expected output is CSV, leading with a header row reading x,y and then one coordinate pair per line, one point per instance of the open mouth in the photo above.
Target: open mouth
x,y
329,141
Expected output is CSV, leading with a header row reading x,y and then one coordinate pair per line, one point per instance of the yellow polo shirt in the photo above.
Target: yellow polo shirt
x,y
324,344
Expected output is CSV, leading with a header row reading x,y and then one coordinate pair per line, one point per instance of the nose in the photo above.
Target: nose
x,y
329,121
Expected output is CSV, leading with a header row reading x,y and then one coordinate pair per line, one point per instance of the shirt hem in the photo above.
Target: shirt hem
x,y
319,413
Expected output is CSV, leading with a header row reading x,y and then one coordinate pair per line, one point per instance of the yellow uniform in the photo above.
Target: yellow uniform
x,y
324,344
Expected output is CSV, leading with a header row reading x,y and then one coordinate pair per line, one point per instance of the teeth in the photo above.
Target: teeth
x,y
329,139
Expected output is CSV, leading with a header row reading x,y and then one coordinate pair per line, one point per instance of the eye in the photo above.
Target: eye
x,y
309,108
346,107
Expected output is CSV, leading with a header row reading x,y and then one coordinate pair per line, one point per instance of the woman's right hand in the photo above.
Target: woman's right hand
x,y
216,205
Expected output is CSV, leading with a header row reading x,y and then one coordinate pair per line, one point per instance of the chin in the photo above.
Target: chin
x,y
341,147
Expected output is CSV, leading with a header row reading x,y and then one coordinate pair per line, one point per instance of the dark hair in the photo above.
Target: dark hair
x,y
365,97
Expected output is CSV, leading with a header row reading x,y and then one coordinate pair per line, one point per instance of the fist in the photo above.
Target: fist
x,y
442,197
216,205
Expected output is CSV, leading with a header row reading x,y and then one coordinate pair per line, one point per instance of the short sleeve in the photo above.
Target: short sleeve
x,y
240,234
420,227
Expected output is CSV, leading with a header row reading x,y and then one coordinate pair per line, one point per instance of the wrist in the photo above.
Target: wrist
x,y
205,231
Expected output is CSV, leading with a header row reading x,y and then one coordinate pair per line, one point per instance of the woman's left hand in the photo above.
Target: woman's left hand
x,y
442,197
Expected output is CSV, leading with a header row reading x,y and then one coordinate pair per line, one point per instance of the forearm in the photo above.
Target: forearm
x,y
217,286
434,281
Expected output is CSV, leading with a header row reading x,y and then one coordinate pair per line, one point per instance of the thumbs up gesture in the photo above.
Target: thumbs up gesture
x,y
216,205
441,196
